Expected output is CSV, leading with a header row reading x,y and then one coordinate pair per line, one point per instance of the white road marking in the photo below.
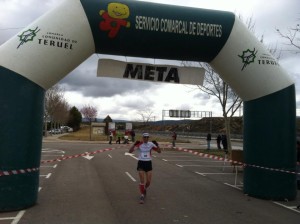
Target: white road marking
x,y
205,166
131,155
293,208
236,187
87,156
52,155
7,218
131,177
47,176
52,150
203,161
109,156
18,217
204,174
189,156
49,166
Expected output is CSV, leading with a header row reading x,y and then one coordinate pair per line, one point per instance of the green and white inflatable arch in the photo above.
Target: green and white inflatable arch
x,y
55,44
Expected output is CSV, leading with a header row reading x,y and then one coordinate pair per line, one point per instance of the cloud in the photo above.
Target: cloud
x,y
84,79
125,98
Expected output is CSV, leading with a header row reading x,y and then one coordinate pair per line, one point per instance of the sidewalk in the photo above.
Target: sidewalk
x,y
55,138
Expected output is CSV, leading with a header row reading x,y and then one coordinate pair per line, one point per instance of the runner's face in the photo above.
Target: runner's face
x,y
145,139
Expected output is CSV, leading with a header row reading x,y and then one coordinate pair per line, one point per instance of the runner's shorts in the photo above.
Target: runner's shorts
x,y
144,165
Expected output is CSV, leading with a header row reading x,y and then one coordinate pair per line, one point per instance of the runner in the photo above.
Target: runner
x,y
144,166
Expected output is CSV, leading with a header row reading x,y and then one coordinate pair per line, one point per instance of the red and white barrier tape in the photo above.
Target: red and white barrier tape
x,y
21,171
30,170
76,156
205,155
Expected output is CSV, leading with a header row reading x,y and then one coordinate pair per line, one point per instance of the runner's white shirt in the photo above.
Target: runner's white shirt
x,y
144,150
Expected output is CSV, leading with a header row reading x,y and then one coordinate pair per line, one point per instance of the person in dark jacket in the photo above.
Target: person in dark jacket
x,y
208,139
219,138
224,143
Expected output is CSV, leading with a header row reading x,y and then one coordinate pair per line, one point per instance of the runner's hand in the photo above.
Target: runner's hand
x,y
155,142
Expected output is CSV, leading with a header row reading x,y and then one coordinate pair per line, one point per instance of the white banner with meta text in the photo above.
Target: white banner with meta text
x,y
150,72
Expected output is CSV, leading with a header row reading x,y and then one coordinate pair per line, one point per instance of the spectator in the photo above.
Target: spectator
x,y
174,137
224,142
132,134
110,136
118,138
208,139
219,138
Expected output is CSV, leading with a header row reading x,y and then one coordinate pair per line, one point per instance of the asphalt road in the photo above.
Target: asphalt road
x,y
103,188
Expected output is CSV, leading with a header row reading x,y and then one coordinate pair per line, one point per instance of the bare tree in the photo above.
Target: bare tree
x,y
89,112
215,86
61,114
292,35
55,107
230,102
146,115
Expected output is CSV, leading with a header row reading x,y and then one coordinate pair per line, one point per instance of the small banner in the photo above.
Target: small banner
x,y
149,72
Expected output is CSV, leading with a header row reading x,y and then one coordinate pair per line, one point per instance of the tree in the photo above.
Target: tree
x,y
89,112
75,118
292,36
146,115
214,86
55,107
230,102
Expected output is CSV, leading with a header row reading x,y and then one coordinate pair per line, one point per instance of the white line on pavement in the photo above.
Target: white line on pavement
x,y
293,208
214,173
131,177
202,161
18,217
205,166
7,218
131,155
236,187
202,174
46,176
49,166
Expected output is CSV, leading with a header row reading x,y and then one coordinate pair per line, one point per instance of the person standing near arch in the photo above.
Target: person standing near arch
x,y
208,139
144,166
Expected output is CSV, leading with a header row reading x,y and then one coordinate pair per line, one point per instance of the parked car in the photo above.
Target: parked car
x,y
55,131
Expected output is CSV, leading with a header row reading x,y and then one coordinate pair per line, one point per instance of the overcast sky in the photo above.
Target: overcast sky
x,y
124,99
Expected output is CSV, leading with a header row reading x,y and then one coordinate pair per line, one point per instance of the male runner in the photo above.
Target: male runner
x,y
144,166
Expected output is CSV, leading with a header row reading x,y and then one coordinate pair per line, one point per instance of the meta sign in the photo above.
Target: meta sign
x,y
150,72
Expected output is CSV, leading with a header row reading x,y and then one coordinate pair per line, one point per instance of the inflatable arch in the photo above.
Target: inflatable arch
x,y
51,47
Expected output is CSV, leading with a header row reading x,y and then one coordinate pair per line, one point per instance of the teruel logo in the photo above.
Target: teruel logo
x,y
28,35
248,57
114,18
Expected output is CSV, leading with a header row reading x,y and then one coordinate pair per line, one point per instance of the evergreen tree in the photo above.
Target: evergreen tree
x,y
75,119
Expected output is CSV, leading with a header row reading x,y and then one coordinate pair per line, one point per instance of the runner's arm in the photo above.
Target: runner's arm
x,y
156,148
134,145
